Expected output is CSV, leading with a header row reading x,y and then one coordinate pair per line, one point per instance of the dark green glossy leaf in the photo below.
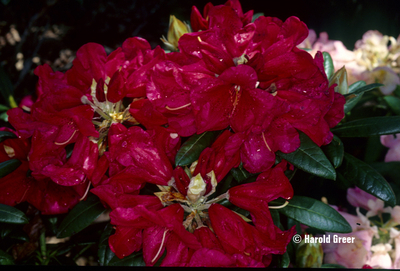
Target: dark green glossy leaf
x,y
357,85
6,259
191,149
135,259
358,88
351,102
84,213
374,150
389,170
8,166
11,231
316,214
362,175
328,64
105,254
19,234
332,265
5,229
310,158
283,260
5,134
396,92
356,91
240,174
394,103
334,151
369,127
12,215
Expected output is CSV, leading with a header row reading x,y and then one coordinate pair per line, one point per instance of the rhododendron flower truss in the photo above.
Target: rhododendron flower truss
x,y
188,222
255,80
75,110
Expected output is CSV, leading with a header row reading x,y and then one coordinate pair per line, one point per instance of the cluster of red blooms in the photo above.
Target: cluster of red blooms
x,y
113,123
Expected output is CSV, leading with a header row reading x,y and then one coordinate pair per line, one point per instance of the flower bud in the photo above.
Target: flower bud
x,y
176,29
340,78
196,188
309,254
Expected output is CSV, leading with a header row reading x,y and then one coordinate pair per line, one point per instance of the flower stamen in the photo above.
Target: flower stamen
x,y
161,245
177,108
279,206
86,192
68,140
265,141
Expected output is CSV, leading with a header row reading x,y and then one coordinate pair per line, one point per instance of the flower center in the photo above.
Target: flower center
x,y
195,203
107,112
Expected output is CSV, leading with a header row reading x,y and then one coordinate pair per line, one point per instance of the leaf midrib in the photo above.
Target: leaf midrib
x,y
183,155
319,214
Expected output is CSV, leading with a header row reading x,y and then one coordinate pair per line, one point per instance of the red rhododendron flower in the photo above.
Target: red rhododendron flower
x,y
149,226
199,22
253,78
24,185
78,108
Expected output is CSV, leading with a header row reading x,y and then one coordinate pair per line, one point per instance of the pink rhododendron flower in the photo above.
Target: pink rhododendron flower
x,y
360,198
393,143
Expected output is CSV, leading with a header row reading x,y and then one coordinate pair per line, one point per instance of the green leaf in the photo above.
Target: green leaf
x,y
255,16
105,254
11,231
332,265
396,92
4,116
280,261
9,166
135,259
191,149
316,214
5,229
351,102
12,215
373,150
6,88
358,90
240,174
84,213
310,158
276,218
394,103
357,85
369,127
334,151
362,175
5,134
6,259
389,170
328,64
3,108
